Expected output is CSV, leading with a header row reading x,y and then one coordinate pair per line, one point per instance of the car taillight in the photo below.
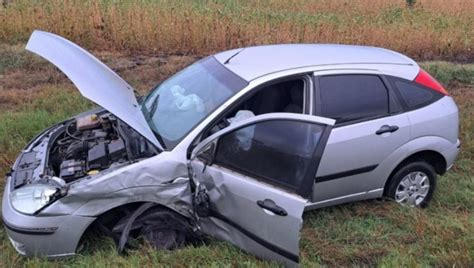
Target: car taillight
x,y
425,79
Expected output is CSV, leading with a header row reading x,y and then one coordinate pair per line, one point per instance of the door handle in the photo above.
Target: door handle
x,y
386,128
270,205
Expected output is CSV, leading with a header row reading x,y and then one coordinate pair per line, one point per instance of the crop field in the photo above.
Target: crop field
x,y
432,29
147,41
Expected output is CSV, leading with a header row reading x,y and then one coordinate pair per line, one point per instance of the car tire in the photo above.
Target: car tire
x,y
163,238
413,184
161,227
164,229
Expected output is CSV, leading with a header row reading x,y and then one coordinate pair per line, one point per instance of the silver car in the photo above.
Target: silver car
x,y
236,146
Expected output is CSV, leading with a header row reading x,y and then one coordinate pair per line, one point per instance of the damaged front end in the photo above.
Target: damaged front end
x,y
78,148
96,168
93,143
95,171
72,150
159,226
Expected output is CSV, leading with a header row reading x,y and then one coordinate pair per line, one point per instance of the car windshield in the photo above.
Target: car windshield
x,y
177,105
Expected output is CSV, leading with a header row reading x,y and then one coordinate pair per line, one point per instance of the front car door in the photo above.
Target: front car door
x,y
370,128
252,181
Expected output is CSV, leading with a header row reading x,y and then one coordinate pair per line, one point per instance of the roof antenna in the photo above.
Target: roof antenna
x,y
237,53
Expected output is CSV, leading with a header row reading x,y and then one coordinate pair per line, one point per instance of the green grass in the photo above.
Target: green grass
x,y
360,234
16,57
19,126
447,72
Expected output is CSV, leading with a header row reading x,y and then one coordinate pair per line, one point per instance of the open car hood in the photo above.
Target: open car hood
x,y
94,79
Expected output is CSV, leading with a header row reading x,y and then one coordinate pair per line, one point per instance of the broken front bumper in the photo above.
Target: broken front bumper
x,y
42,235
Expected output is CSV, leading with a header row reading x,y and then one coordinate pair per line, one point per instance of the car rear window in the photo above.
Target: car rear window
x,y
352,97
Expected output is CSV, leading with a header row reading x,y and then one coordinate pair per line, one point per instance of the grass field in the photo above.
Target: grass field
x,y
432,29
34,95
148,40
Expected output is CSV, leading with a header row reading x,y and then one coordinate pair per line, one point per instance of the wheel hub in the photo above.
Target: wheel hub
x,y
412,189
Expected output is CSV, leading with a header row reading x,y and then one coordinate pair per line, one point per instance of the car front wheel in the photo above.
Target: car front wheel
x,y
413,184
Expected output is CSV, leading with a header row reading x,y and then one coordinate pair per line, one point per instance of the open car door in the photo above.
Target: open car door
x,y
252,181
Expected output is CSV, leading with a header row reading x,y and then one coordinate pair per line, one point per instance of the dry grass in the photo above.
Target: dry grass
x,y
432,29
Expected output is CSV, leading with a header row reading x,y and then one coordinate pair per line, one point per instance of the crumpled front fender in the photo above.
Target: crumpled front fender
x,y
161,179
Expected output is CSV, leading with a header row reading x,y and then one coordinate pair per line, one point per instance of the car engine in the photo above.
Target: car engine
x,y
93,143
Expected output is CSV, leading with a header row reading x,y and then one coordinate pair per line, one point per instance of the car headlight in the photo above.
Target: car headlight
x,y
33,197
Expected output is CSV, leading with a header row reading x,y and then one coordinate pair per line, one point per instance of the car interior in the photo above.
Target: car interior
x,y
286,97
282,97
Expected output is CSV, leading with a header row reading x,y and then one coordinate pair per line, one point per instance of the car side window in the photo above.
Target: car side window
x,y
353,97
276,151
414,96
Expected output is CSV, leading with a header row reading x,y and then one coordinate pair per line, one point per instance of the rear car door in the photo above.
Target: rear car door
x,y
370,127
252,181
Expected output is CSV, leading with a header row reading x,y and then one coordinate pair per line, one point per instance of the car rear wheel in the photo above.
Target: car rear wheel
x,y
413,184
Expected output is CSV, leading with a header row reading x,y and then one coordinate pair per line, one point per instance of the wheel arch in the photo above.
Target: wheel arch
x,y
174,197
114,212
433,158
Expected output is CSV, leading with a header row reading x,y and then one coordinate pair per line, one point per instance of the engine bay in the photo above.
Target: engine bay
x,y
93,143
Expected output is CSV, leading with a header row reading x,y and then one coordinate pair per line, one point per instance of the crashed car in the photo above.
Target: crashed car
x,y
236,146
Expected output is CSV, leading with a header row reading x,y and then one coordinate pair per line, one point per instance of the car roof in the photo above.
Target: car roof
x,y
253,62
